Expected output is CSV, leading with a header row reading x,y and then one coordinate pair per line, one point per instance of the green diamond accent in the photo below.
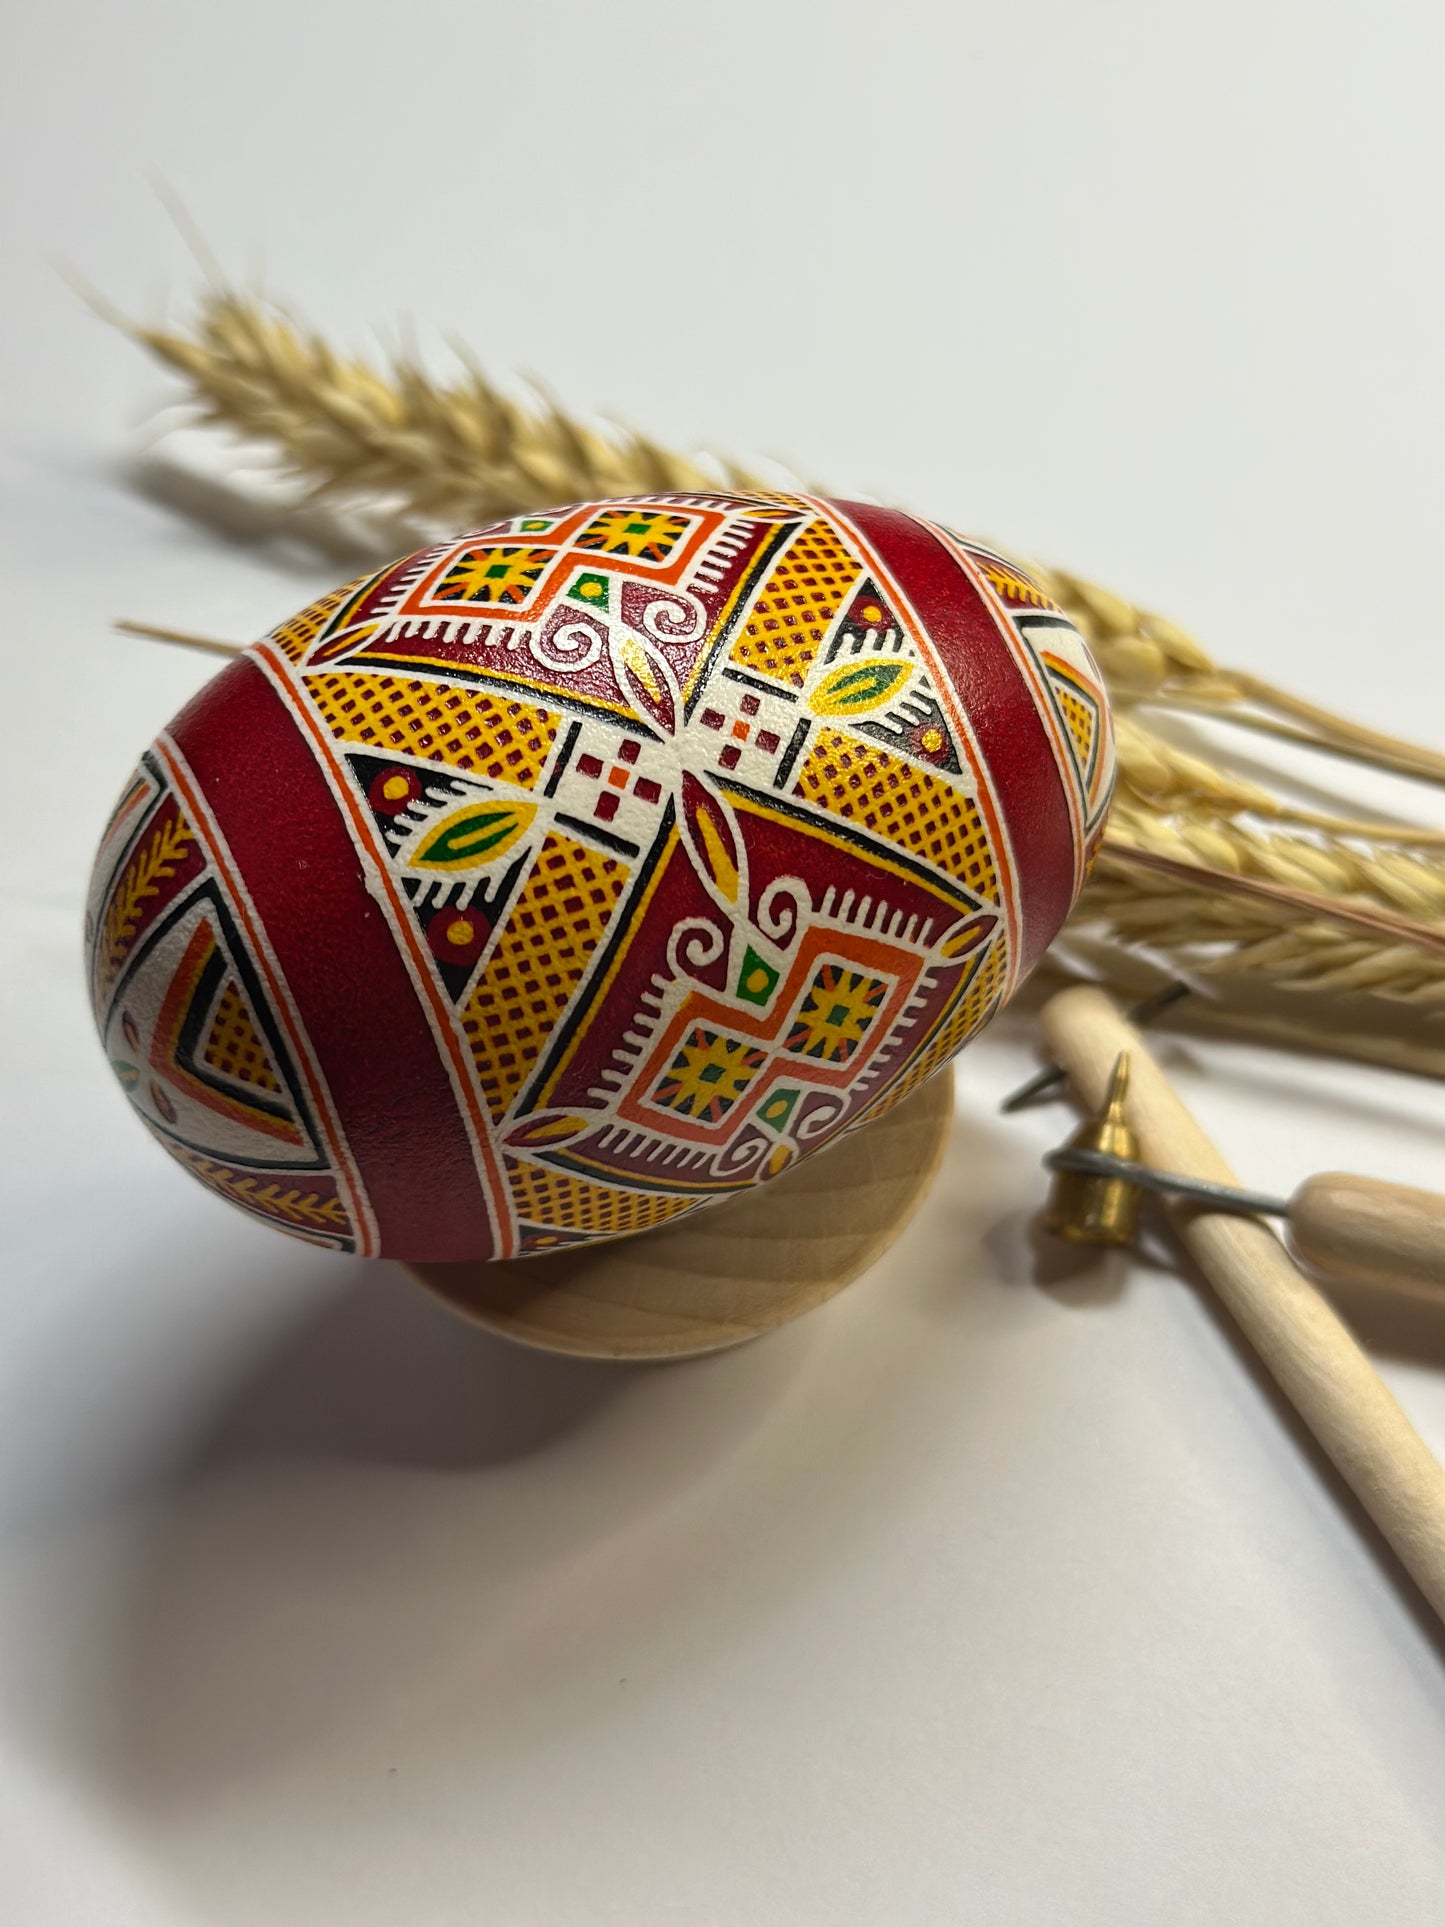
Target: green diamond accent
x,y
535,525
756,980
590,590
777,1107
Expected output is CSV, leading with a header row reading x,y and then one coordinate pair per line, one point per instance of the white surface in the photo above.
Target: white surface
x,y
963,1600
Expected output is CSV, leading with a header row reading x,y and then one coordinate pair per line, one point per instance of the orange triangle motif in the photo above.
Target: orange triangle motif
x,y
192,985
1078,712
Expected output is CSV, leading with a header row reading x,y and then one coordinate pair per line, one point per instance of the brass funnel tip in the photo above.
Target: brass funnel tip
x,y
1118,1091
1090,1209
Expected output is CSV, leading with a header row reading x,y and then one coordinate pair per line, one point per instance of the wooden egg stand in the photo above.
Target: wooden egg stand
x,y
727,1273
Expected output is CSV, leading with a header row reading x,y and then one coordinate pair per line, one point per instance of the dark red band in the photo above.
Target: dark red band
x,y
340,960
1017,749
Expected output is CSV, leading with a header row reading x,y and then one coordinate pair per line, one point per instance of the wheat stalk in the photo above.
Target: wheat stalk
x,y
1202,870
1148,659
453,456
1268,936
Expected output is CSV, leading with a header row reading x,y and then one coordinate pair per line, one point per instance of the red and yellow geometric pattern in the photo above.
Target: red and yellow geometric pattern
x,y
564,876
233,1047
888,796
797,605
469,730
549,937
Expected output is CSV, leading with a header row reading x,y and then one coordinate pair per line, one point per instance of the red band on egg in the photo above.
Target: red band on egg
x,y
341,964
1002,714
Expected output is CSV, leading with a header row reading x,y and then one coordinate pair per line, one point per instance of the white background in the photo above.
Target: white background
x,y
965,1599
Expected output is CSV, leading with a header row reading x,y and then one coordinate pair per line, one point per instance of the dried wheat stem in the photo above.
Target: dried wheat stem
x,y
1148,658
1256,689
1306,903
463,454
1388,752
182,638
467,452
1259,941
1168,779
1201,867
1398,883
1199,874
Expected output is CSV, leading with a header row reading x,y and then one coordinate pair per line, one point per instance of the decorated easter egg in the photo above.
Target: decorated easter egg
x,y
571,874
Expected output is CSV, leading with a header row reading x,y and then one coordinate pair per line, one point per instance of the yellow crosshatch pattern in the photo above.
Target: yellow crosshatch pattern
x,y
233,1048
1080,719
550,932
468,729
503,575
812,580
555,1198
912,807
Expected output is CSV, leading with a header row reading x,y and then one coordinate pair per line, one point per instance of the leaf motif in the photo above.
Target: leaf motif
x,y
964,937
474,834
854,688
547,1128
645,677
712,839
345,642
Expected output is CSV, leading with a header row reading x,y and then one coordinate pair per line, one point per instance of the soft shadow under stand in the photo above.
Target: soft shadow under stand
x,y
727,1273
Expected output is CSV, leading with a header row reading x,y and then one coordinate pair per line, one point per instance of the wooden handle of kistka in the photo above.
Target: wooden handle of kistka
x,y
1364,1231
1310,1355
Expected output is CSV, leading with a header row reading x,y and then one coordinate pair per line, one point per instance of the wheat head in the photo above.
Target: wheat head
x,y
455,455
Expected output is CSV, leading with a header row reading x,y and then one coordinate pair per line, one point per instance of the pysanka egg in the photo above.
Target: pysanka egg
x,y
569,875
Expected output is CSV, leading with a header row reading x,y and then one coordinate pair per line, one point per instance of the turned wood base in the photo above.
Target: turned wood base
x,y
728,1273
